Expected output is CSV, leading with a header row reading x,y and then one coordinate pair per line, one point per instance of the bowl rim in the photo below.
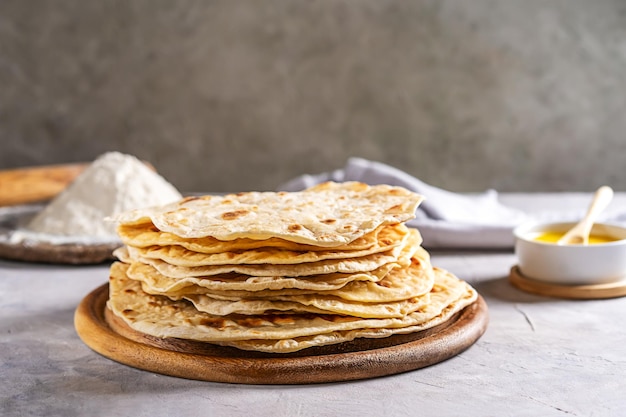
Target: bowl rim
x,y
521,232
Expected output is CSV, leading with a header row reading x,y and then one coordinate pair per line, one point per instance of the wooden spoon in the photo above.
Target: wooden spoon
x,y
579,234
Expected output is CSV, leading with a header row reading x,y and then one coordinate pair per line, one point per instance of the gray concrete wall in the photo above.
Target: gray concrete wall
x,y
239,95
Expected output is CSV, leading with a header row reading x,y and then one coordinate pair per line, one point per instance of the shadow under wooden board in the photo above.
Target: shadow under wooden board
x,y
360,359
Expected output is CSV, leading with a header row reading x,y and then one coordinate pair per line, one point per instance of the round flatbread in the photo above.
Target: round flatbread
x,y
329,214
388,238
146,234
387,284
156,283
399,254
161,317
298,343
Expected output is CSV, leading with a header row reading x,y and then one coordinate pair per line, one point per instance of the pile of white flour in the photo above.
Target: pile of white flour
x,y
112,184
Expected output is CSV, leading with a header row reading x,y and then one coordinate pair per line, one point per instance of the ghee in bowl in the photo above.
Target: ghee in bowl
x,y
554,237
540,258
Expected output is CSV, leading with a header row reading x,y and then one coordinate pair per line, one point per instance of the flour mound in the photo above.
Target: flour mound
x,y
112,184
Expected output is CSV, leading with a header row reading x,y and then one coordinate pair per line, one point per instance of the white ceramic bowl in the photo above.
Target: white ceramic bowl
x,y
571,264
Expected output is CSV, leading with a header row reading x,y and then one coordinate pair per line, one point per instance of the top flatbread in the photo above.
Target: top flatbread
x,y
329,214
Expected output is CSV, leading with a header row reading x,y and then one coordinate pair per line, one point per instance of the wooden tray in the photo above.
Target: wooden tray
x,y
582,292
34,184
39,183
11,218
360,359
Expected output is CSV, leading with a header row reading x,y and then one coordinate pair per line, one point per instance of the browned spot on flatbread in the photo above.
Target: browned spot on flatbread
x,y
396,191
190,198
250,322
395,209
337,318
437,288
294,227
283,319
329,221
232,215
216,323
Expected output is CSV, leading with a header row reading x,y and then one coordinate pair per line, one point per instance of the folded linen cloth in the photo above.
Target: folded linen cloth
x,y
445,219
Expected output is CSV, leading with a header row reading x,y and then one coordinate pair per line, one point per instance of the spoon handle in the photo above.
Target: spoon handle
x,y
601,200
580,232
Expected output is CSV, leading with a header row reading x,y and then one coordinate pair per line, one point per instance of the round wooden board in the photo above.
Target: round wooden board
x,y
359,359
581,292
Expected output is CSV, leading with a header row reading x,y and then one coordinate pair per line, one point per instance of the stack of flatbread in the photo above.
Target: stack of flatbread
x,y
281,272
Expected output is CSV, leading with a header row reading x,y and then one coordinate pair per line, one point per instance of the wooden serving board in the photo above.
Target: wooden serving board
x,y
34,184
359,359
39,183
580,292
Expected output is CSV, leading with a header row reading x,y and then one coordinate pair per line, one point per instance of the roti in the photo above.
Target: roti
x,y
310,303
146,234
330,214
280,272
156,283
388,238
400,255
298,343
161,317
388,285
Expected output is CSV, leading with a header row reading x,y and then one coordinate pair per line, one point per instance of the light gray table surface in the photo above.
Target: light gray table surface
x,y
539,356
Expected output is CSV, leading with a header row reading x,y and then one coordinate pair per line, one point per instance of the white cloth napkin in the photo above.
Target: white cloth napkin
x,y
445,219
